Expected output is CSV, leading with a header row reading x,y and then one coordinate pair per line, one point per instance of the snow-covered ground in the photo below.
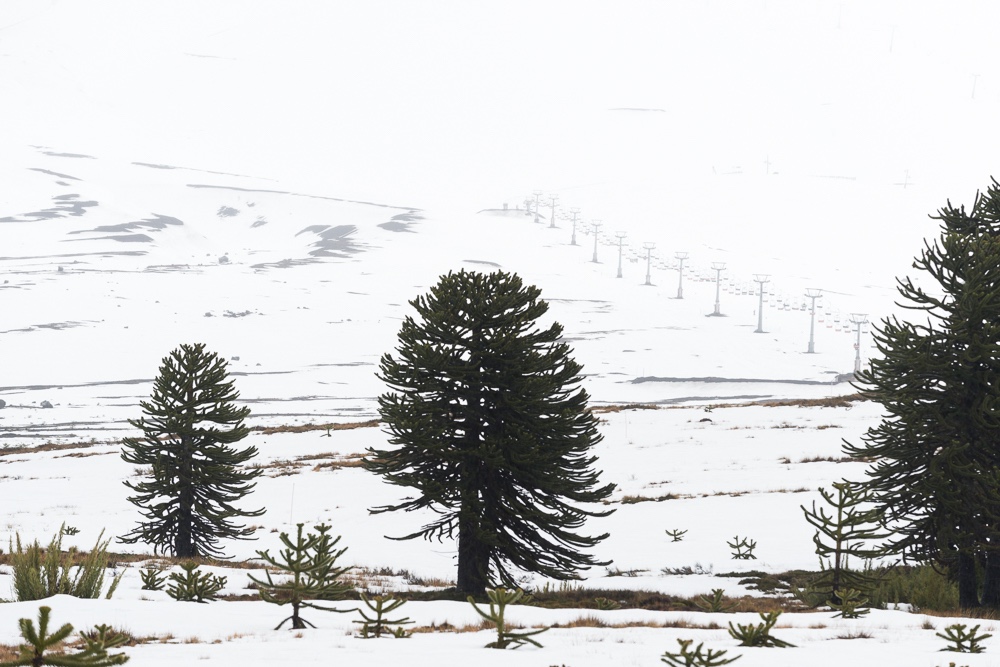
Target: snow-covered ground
x,y
277,180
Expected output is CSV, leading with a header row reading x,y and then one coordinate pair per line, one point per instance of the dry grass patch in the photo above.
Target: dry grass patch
x,y
305,428
327,461
9,653
847,401
983,613
54,447
83,455
445,626
381,578
618,572
632,499
591,621
827,459
239,597
736,494
338,461
621,408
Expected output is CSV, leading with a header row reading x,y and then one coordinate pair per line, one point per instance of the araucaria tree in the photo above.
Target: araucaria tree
x,y
195,475
936,470
847,531
492,431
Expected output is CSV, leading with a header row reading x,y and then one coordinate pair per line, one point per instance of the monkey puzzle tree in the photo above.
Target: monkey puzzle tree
x,y
491,430
195,475
936,453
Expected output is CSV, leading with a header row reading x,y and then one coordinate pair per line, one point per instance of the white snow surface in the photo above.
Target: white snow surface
x,y
278,180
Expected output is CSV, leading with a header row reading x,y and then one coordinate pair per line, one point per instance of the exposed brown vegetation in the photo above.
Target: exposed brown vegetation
x,y
9,653
621,408
305,428
829,402
53,447
83,455
283,467
633,499
827,459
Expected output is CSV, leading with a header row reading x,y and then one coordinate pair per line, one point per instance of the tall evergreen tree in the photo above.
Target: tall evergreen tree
x,y
491,430
936,474
195,474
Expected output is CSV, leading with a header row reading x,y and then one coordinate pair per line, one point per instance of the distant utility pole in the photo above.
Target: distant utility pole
x,y
719,268
538,194
649,249
552,202
680,273
760,279
812,293
858,319
575,212
596,224
621,237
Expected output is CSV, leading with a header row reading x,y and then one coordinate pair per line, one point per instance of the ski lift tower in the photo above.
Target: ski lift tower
x,y
596,224
649,249
761,279
621,237
858,319
719,267
552,202
680,273
538,194
574,212
812,293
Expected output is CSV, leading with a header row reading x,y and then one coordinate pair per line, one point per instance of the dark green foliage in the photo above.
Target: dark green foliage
x,y
152,579
688,658
743,548
604,604
840,535
94,653
922,587
964,642
714,604
759,634
70,530
377,624
936,470
499,598
772,583
850,603
491,431
196,475
677,535
194,585
41,573
311,562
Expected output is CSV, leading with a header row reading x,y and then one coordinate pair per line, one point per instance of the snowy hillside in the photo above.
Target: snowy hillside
x,y
278,180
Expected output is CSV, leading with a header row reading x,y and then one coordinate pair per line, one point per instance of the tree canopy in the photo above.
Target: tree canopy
x,y
936,470
490,427
194,474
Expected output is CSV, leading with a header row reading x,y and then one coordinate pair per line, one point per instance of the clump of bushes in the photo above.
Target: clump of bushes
x,y
921,586
40,573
